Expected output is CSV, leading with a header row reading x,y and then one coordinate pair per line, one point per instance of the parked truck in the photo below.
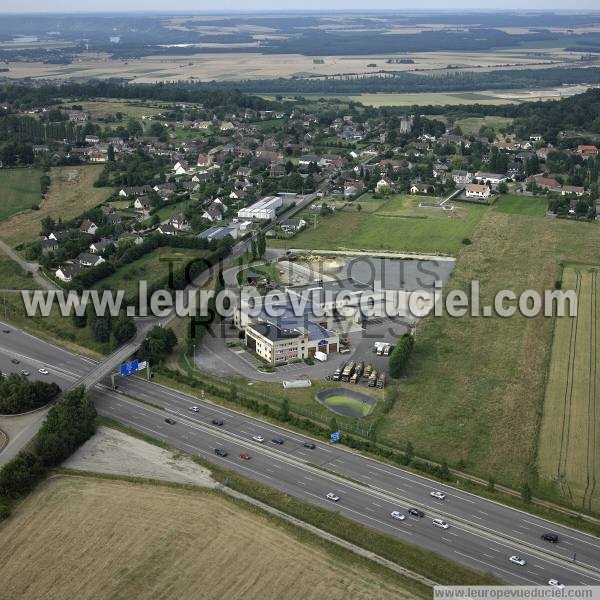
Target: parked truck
x,y
372,378
338,372
381,381
368,370
348,371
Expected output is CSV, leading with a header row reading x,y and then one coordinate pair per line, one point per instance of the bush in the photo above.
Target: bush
x,y
19,395
400,355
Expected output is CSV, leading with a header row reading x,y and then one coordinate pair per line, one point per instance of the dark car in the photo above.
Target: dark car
x,y
217,422
277,441
415,512
220,452
550,537
170,421
6,330
309,445
15,361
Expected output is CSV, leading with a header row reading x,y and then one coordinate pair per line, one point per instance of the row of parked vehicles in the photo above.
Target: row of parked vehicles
x,y
354,372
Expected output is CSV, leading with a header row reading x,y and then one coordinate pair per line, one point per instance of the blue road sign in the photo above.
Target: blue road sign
x,y
335,437
129,368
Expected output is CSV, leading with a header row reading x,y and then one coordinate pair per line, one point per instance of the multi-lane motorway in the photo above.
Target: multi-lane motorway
x,y
482,533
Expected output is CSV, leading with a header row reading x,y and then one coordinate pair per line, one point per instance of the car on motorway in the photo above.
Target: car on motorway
x,y
170,421
24,372
221,452
550,537
440,523
415,512
555,583
332,497
6,330
309,445
195,408
277,440
43,371
15,361
437,495
245,456
258,438
517,560
396,514
217,422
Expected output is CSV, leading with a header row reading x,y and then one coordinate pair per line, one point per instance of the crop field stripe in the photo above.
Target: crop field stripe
x,y
566,424
591,441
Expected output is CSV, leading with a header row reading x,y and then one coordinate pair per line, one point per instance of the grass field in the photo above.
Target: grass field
x,y
82,537
152,267
112,106
471,125
12,277
396,224
534,206
569,457
475,391
20,190
66,198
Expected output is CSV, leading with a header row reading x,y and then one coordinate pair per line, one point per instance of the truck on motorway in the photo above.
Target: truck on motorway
x,y
348,371
381,380
372,378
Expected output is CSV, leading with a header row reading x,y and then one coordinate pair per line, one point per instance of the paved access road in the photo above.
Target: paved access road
x,y
482,534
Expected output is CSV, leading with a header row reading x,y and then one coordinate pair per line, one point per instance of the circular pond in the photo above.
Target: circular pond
x,y
348,403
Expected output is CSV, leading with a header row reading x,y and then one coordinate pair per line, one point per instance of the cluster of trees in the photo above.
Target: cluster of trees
x,y
19,395
159,343
136,169
67,426
400,355
105,328
210,96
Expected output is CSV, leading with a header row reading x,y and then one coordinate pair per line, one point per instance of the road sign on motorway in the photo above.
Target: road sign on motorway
x,y
129,368
335,437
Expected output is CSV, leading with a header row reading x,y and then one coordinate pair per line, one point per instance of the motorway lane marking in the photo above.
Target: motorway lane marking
x,y
494,566
567,535
286,458
342,507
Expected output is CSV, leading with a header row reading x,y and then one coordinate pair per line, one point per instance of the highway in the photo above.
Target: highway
x,y
482,533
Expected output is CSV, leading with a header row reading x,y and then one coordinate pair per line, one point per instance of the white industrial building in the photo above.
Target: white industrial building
x,y
265,209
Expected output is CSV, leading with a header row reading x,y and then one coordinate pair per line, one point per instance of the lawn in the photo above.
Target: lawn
x,y
20,190
475,390
152,267
71,192
396,224
570,432
84,537
471,125
534,206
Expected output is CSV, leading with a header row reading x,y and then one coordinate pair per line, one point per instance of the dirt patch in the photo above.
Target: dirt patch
x,y
113,452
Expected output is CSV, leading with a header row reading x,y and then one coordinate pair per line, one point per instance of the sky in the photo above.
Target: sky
x,y
270,5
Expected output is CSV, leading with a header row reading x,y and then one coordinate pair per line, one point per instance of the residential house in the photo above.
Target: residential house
x,y
587,152
492,178
572,189
383,185
461,177
293,225
101,246
214,212
68,272
166,229
204,160
87,259
421,188
142,203
476,190
88,226
180,222
48,246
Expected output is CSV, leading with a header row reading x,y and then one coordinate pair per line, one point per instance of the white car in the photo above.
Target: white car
x,y
517,560
258,438
437,495
396,514
332,497
440,523
194,408
556,584
43,371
